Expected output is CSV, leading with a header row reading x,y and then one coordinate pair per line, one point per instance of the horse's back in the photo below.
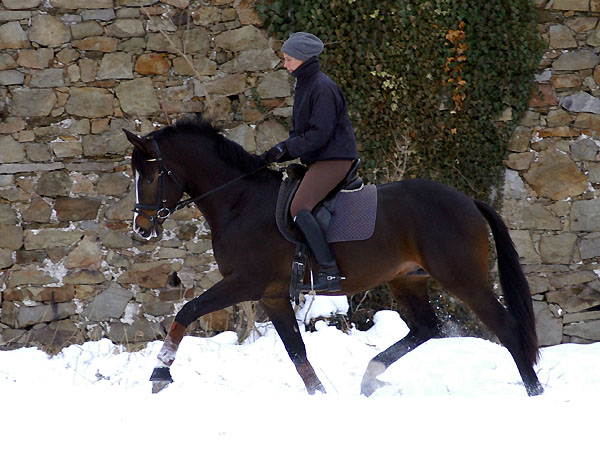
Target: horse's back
x,y
429,215
419,198
422,190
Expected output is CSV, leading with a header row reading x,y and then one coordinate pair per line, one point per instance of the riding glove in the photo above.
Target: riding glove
x,y
277,153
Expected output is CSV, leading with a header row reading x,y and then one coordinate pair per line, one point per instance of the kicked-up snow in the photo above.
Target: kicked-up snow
x,y
456,394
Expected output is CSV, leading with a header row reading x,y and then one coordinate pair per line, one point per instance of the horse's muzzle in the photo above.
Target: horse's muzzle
x,y
154,230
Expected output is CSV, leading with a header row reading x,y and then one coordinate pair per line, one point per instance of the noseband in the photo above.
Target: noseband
x,y
160,206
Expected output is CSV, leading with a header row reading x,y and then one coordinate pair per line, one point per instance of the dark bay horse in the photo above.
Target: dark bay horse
x,y
420,224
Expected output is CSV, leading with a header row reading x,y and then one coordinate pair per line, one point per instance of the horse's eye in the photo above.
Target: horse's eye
x,y
150,180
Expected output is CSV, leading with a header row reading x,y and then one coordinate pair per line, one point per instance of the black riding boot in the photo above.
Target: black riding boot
x,y
328,279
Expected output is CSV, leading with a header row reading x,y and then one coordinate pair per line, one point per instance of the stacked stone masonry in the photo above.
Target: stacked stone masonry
x,y
73,73
552,185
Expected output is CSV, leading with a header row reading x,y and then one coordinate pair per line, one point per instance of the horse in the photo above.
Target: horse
x,y
423,230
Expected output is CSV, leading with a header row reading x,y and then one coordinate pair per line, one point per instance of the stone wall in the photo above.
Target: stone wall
x,y
551,197
73,73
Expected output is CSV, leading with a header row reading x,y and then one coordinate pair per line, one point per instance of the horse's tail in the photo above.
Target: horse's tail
x,y
513,282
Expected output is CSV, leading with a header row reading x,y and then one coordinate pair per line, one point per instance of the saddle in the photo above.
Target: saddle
x,y
347,213
293,175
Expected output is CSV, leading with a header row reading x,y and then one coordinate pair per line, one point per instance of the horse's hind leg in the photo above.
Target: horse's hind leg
x,y
411,294
469,283
281,313
501,322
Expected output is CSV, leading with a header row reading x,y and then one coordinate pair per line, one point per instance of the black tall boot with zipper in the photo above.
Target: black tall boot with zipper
x,y
328,278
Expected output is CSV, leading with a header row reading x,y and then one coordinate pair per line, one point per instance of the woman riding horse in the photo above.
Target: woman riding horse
x,y
193,157
238,198
323,139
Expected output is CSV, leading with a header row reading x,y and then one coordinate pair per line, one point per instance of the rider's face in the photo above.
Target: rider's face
x,y
291,63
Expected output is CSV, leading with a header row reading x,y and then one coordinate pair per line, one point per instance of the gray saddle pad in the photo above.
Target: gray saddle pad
x,y
353,213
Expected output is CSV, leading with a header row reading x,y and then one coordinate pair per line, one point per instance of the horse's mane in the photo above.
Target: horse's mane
x,y
196,125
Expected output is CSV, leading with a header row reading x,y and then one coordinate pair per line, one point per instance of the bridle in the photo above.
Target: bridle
x,y
160,206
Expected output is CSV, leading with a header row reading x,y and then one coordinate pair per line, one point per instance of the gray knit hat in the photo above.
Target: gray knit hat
x,y
302,46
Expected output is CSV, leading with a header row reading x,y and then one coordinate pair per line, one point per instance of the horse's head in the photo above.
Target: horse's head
x,y
156,188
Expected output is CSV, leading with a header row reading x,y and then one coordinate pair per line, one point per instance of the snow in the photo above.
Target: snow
x,y
321,306
448,395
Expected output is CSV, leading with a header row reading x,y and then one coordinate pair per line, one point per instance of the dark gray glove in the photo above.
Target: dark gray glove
x,y
277,153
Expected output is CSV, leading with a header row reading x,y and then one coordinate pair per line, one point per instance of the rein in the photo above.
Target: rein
x,y
162,211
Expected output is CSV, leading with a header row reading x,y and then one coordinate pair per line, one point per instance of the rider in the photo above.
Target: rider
x,y
323,139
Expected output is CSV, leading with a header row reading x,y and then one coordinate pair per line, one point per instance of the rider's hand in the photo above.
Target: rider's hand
x,y
277,153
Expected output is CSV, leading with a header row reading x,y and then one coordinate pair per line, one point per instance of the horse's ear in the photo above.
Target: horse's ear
x,y
138,142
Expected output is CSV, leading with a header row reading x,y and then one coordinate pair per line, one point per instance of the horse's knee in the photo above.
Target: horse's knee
x,y
188,313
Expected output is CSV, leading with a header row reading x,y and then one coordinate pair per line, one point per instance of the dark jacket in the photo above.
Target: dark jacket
x,y
321,126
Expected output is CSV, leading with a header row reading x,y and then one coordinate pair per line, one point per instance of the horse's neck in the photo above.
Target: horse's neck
x,y
204,171
248,196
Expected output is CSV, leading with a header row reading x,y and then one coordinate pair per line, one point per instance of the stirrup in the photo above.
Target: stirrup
x,y
324,283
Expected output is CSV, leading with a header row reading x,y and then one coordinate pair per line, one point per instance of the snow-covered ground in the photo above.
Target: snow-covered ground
x,y
450,394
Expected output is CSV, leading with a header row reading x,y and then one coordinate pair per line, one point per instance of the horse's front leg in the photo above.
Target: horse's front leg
x,y
225,293
281,313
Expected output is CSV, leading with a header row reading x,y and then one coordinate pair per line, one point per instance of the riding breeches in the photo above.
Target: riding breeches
x,y
320,178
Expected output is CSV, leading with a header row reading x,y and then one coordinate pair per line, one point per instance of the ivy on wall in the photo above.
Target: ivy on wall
x,y
426,80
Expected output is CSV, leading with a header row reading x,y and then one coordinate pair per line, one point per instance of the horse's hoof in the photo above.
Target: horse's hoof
x,y
312,390
370,383
368,387
160,378
158,386
535,390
